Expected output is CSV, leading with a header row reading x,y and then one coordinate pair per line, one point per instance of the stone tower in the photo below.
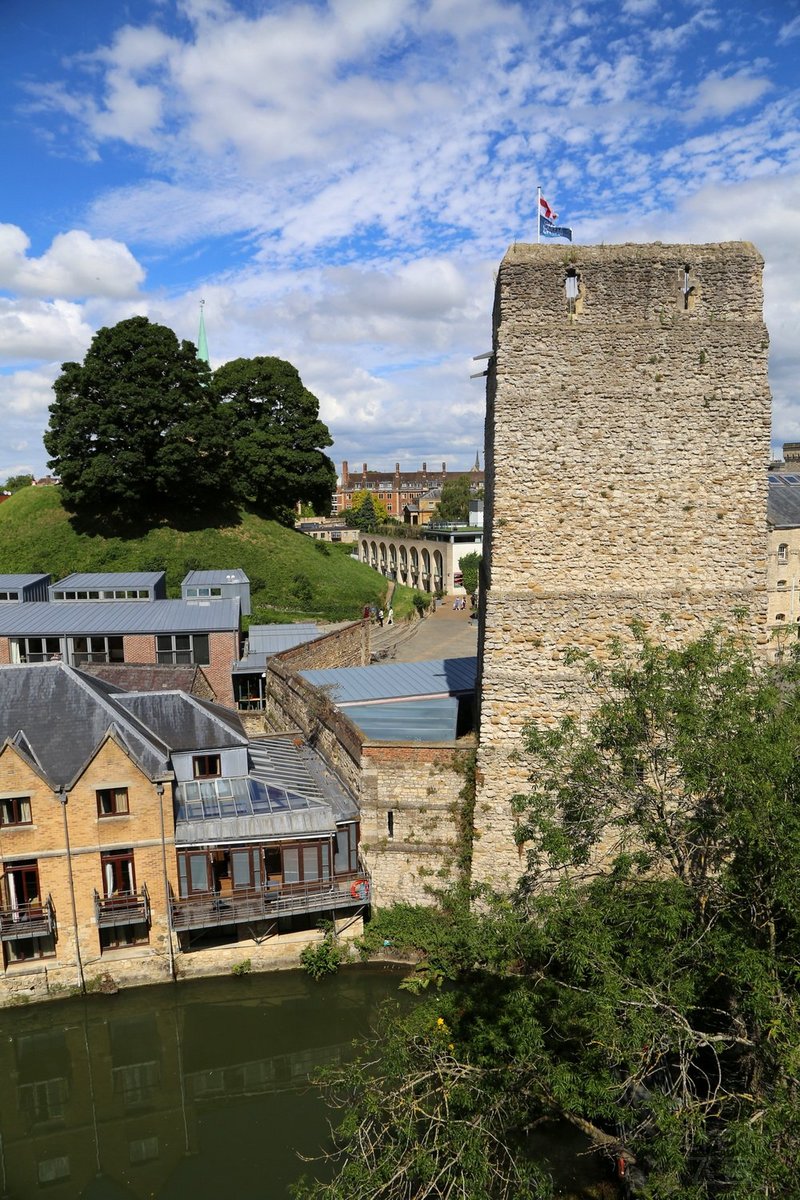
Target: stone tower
x,y
627,440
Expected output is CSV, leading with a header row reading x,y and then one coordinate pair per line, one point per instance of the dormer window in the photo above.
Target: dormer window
x,y
206,766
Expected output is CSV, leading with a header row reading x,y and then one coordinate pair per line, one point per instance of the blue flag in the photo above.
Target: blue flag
x,y
550,229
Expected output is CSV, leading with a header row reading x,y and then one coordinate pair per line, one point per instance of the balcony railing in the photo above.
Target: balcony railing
x,y
131,908
203,910
33,919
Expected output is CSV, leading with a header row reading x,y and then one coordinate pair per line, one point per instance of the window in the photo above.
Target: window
x,y
9,595
177,648
782,583
118,874
112,802
203,593
15,810
780,616
783,552
50,1170
35,649
143,1150
206,766
97,650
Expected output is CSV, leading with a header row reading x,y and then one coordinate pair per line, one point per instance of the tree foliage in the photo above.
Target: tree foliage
x,y
470,567
275,436
366,511
134,432
642,984
15,482
453,505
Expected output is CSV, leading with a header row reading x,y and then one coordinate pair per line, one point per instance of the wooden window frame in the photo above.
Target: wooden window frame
x,y
17,820
113,793
201,761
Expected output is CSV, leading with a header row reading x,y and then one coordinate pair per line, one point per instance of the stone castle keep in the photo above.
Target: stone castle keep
x,y
627,440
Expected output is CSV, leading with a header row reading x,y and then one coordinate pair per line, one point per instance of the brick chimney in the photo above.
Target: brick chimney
x,y
345,475
444,468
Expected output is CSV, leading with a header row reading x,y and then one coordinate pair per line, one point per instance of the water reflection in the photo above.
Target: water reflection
x,y
165,1092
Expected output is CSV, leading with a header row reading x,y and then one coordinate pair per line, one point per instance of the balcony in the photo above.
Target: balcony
x,y
132,908
28,920
203,910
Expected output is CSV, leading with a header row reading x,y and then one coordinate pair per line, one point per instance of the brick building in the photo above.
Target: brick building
x,y
397,489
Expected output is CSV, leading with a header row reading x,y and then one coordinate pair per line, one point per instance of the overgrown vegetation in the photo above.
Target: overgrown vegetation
x,y
642,982
325,957
37,535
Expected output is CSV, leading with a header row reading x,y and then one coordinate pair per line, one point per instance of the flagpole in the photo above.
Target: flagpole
x,y
538,214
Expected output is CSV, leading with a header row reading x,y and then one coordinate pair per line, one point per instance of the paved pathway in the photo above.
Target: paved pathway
x,y
442,634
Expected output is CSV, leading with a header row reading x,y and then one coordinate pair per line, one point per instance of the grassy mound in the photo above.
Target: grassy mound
x,y
291,576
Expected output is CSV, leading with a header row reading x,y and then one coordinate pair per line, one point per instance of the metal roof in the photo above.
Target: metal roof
x,y
215,578
396,681
41,618
783,506
20,581
265,640
407,720
184,722
110,579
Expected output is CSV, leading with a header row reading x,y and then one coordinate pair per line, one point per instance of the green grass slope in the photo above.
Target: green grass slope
x,y
291,576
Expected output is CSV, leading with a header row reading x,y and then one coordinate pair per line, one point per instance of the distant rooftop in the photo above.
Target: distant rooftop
x,y
214,578
110,579
21,581
41,618
435,678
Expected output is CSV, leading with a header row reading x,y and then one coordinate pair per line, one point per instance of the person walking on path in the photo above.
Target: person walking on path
x,y
380,617
390,616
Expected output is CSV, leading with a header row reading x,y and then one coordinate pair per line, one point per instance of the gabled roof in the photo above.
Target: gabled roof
x,y
31,695
184,722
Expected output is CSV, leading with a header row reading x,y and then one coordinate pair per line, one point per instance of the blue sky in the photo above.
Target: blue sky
x,y
339,180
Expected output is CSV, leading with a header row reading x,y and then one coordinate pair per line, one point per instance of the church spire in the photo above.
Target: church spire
x,y
202,343
477,466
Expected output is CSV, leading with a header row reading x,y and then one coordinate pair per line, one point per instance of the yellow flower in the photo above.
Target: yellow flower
x,y
440,1022
450,1046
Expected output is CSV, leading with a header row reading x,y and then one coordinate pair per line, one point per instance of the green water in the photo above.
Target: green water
x,y
196,1091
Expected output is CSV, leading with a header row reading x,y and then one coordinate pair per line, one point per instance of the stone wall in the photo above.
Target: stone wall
x,y
627,441
410,799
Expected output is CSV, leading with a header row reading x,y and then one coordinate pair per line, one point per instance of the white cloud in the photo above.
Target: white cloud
x,y
718,97
75,265
790,30
37,330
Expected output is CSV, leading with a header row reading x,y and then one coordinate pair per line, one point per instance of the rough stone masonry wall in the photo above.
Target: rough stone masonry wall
x,y
627,437
421,786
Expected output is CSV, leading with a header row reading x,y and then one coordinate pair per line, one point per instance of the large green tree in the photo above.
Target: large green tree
x,y
276,437
643,984
134,432
453,505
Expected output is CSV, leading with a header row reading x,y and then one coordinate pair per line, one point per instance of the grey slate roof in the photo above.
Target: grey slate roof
x,y
86,709
151,677
394,681
214,578
783,506
109,579
40,618
184,722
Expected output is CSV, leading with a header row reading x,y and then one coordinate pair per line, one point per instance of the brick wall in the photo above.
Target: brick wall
x,y
627,440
